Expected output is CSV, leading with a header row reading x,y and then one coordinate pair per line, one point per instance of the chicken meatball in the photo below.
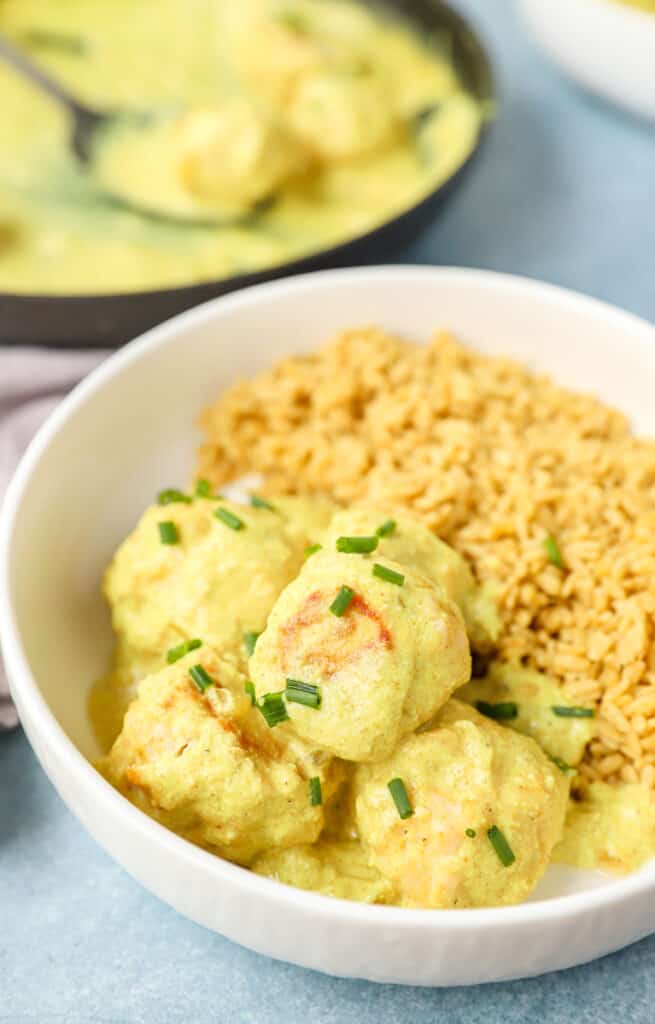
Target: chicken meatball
x,y
272,56
195,755
340,116
525,699
218,581
486,807
609,827
236,154
332,868
374,669
413,544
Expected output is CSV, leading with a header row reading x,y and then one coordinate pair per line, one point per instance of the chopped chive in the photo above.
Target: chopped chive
x,y
315,792
175,653
258,502
203,488
383,573
341,601
168,532
501,712
293,20
572,712
357,545
560,763
470,832
312,549
397,789
229,519
501,846
250,690
273,709
303,693
387,528
553,552
172,495
201,677
249,642
74,46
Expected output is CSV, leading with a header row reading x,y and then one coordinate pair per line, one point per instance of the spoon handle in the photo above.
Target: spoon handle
x,y
36,74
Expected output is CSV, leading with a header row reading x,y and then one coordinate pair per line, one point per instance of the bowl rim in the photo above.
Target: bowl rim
x,y
43,721
487,87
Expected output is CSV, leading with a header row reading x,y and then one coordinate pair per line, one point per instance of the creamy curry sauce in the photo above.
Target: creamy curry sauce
x,y
302,124
207,765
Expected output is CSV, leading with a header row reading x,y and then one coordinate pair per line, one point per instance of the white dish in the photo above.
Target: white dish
x,y
605,46
128,430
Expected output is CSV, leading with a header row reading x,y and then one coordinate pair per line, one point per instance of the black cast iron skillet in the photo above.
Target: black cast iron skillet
x,y
108,320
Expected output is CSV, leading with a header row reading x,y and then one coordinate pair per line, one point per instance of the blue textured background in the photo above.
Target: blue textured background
x,y
565,192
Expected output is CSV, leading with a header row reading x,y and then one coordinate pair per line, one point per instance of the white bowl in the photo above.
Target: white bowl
x,y
128,430
606,46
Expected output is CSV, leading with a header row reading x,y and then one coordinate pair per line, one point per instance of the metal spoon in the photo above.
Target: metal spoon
x,y
87,123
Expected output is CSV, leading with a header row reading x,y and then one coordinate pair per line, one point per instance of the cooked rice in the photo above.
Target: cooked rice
x,y
494,459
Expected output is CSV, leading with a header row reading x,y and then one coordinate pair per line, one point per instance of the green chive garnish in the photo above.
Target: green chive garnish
x,y
171,495
303,693
229,518
357,545
258,502
69,44
273,709
293,20
168,532
501,846
315,792
312,549
572,712
201,677
175,653
250,690
500,712
397,789
249,641
387,528
383,573
203,488
470,832
341,601
553,552
559,763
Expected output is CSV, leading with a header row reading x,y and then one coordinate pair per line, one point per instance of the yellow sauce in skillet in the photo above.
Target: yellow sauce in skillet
x,y
292,125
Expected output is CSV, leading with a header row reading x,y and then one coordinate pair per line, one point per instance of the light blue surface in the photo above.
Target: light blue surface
x,y
564,192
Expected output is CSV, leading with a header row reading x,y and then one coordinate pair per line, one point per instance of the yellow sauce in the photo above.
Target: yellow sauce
x,y
341,141
643,5
611,828
172,749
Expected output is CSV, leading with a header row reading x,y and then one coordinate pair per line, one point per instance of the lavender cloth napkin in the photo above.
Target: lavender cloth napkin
x,y
32,382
